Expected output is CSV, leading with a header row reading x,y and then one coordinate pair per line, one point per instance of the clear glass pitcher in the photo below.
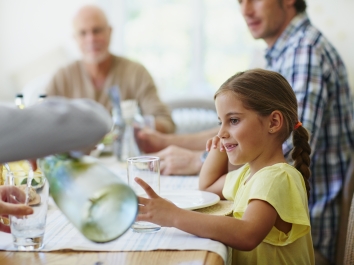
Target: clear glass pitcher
x,y
94,199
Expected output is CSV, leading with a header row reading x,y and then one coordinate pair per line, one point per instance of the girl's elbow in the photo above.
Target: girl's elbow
x,y
203,187
211,189
250,245
247,244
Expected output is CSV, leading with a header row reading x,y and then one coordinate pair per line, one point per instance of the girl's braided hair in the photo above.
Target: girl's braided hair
x,y
264,92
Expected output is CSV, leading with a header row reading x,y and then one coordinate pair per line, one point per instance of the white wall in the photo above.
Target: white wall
x,y
35,36
335,18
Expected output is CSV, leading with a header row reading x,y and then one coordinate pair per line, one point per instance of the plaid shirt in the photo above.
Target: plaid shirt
x,y
318,77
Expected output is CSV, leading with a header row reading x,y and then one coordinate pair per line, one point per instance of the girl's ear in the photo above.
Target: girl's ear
x,y
289,3
276,121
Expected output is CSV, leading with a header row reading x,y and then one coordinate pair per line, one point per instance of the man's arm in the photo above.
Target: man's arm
x,y
307,80
150,102
55,125
57,84
194,141
175,160
152,141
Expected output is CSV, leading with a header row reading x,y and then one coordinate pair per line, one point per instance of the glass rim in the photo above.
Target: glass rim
x,y
26,172
143,159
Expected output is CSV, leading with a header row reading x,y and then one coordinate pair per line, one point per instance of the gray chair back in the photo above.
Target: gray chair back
x,y
193,114
346,203
349,247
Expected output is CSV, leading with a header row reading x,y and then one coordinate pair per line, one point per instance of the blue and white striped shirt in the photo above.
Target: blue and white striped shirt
x,y
318,77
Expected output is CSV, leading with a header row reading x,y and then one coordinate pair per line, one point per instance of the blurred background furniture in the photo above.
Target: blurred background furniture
x,y
349,247
343,233
193,114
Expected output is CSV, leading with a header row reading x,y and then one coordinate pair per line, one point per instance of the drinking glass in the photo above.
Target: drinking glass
x,y
148,169
28,231
149,121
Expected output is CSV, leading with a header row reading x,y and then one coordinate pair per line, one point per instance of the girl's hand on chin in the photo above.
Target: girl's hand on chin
x,y
214,143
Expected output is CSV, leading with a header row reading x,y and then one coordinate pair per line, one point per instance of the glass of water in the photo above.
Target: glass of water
x,y
148,169
28,231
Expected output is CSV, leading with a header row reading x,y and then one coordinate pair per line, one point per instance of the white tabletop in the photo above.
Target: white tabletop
x,y
60,234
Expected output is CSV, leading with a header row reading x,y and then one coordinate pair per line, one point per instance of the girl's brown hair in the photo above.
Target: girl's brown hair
x,y
300,6
264,92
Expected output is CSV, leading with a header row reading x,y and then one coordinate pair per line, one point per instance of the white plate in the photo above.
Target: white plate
x,y
191,199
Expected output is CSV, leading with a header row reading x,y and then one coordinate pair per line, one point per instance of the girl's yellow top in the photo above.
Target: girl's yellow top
x,y
283,187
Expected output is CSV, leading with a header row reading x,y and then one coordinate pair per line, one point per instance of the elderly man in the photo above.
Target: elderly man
x,y
99,70
298,51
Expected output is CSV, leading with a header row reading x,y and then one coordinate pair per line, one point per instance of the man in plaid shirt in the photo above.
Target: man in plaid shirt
x,y
299,52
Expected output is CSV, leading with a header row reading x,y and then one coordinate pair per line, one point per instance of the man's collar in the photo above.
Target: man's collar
x,y
296,24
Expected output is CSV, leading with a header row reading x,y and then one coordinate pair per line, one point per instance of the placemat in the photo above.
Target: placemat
x,y
221,208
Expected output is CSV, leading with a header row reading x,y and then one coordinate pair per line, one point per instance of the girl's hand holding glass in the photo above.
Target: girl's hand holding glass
x,y
155,209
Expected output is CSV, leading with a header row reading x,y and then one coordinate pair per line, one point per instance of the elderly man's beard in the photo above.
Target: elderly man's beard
x,y
96,59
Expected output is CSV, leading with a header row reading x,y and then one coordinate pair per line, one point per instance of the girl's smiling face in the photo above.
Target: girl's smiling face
x,y
244,134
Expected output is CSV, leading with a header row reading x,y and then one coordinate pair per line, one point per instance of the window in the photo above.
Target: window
x,y
189,46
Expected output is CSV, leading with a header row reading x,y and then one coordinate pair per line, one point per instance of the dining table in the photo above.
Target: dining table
x,y
64,244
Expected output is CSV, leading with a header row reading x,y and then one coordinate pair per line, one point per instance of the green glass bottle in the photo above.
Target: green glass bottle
x,y
93,198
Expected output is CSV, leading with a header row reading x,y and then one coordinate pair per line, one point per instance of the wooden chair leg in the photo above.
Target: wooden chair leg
x,y
320,259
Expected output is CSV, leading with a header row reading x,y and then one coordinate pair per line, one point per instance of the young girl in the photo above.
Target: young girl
x,y
258,112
